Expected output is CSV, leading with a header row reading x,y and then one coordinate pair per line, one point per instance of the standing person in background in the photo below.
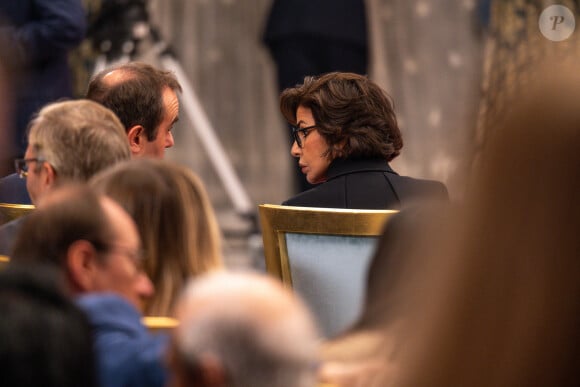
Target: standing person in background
x,y
36,37
308,37
176,222
39,35
345,135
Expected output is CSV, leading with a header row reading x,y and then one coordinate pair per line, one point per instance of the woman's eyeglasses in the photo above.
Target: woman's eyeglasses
x,y
305,131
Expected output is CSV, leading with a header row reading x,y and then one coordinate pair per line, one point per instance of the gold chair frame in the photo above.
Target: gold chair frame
x,y
10,211
4,260
278,220
159,323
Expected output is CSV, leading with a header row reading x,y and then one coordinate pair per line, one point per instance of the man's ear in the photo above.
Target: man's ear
x,y
136,136
46,180
81,261
47,176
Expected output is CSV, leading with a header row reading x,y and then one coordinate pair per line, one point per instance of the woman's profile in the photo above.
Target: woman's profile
x,y
345,134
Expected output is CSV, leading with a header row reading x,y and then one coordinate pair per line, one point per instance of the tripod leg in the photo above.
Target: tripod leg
x,y
209,140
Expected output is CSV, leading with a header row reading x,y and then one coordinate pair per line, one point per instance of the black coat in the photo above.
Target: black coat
x,y
342,20
368,184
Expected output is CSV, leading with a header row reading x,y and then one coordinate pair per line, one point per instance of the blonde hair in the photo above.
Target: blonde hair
x,y
176,222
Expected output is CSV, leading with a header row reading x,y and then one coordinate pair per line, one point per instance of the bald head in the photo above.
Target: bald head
x,y
249,327
115,77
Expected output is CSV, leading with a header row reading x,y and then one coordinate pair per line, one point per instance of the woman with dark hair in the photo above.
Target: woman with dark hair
x,y
345,134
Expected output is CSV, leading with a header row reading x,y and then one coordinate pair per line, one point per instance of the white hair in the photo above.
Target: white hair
x,y
260,332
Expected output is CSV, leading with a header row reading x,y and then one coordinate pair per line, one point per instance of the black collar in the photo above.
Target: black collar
x,y
339,167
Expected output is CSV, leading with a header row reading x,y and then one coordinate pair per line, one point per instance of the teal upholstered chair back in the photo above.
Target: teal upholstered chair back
x,y
323,254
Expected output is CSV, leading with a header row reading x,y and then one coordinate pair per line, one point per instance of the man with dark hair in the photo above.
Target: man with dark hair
x,y
95,244
45,340
145,100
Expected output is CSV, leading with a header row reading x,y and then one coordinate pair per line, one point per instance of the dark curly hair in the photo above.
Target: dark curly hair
x,y
348,109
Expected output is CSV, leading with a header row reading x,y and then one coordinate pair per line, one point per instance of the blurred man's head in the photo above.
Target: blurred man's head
x,y
145,100
242,329
45,340
69,142
91,238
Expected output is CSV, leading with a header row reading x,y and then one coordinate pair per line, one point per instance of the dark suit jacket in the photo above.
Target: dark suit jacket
x,y
13,190
343,20
368,184
38,34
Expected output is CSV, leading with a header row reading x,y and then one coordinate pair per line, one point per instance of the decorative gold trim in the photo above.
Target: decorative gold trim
x,y
18,206
278,220
159,322
11,211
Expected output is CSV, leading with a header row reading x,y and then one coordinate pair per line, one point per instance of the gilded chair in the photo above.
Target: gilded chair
x,y
323,254
10,211
157,324
4,260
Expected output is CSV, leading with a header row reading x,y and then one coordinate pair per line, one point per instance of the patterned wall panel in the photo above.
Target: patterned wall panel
x,y
426,54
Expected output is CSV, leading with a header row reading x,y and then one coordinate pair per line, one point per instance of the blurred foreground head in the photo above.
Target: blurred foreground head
x,y
44,339
243,329
503,308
